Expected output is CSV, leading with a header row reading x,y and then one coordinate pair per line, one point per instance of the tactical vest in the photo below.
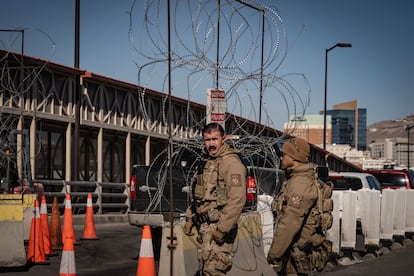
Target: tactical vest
x,y
209,186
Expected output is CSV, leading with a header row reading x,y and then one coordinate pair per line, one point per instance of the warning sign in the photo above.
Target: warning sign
x,y
216,106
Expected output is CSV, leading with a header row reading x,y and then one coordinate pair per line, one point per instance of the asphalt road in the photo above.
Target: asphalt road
x,y
115,252
396,262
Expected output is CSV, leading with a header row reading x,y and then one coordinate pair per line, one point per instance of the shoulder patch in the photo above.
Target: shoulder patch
x,y
235,180
296,201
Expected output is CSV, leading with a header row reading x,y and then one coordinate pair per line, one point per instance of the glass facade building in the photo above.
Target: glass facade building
x,y
349,128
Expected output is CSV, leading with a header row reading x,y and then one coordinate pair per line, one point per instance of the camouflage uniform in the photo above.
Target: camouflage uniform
x,y
218,199
297,227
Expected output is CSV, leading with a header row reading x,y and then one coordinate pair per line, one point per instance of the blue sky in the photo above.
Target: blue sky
x,y
377,71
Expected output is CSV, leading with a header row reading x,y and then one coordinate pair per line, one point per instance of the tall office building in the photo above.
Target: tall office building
x,y
349,125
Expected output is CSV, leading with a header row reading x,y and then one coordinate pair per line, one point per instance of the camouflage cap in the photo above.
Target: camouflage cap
x,y
297,148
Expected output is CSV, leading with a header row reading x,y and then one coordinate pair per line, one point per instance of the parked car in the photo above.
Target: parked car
x,y
394,179
354,181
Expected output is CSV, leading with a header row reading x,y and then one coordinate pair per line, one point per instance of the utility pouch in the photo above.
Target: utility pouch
x,y
278,204
327,220
327,205
321,255
199,191
213,215
221,195
301,260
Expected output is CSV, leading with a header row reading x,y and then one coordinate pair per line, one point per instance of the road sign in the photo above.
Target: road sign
x,y
216,106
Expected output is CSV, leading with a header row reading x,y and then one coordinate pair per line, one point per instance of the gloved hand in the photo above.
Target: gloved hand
x,y
218,236
187,228
275,263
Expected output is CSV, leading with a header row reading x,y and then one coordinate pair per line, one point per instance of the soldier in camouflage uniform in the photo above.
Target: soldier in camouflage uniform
x,y
218,198
297,231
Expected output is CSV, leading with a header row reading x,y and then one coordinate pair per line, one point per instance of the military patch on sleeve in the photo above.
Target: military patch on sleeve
x,y
296,200
236,180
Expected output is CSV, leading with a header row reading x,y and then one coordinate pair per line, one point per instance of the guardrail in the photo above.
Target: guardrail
x,y
107,197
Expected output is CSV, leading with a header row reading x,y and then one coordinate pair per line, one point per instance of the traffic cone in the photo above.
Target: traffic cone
x,y
67,261
45,227
146,263
89,231
55,226
68,231
35,249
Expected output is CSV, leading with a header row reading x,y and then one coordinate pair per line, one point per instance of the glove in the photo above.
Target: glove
x,y
218,236
187,228
275,263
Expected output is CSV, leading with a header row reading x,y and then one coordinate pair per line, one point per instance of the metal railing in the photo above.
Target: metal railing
x,y
107,197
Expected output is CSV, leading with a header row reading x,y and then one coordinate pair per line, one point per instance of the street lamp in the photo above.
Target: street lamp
x,y
407,128
343,45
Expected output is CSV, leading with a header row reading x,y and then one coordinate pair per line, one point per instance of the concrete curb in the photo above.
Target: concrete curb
x,y
100,218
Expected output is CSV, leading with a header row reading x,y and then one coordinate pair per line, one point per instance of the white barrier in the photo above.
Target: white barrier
x,y
264,208
409,221
369,206
383,215
348,233
387,214
399,212
334,231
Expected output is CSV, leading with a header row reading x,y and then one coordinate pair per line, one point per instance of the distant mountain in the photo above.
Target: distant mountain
x,y
390,129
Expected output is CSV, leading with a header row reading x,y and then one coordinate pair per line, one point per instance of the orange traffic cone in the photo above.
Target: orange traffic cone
x,y
68,231
55,226
146,263
45,227
35,249
89,231
67,262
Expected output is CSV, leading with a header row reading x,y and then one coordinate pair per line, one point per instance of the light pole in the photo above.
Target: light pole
x,y
344,45
407,128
